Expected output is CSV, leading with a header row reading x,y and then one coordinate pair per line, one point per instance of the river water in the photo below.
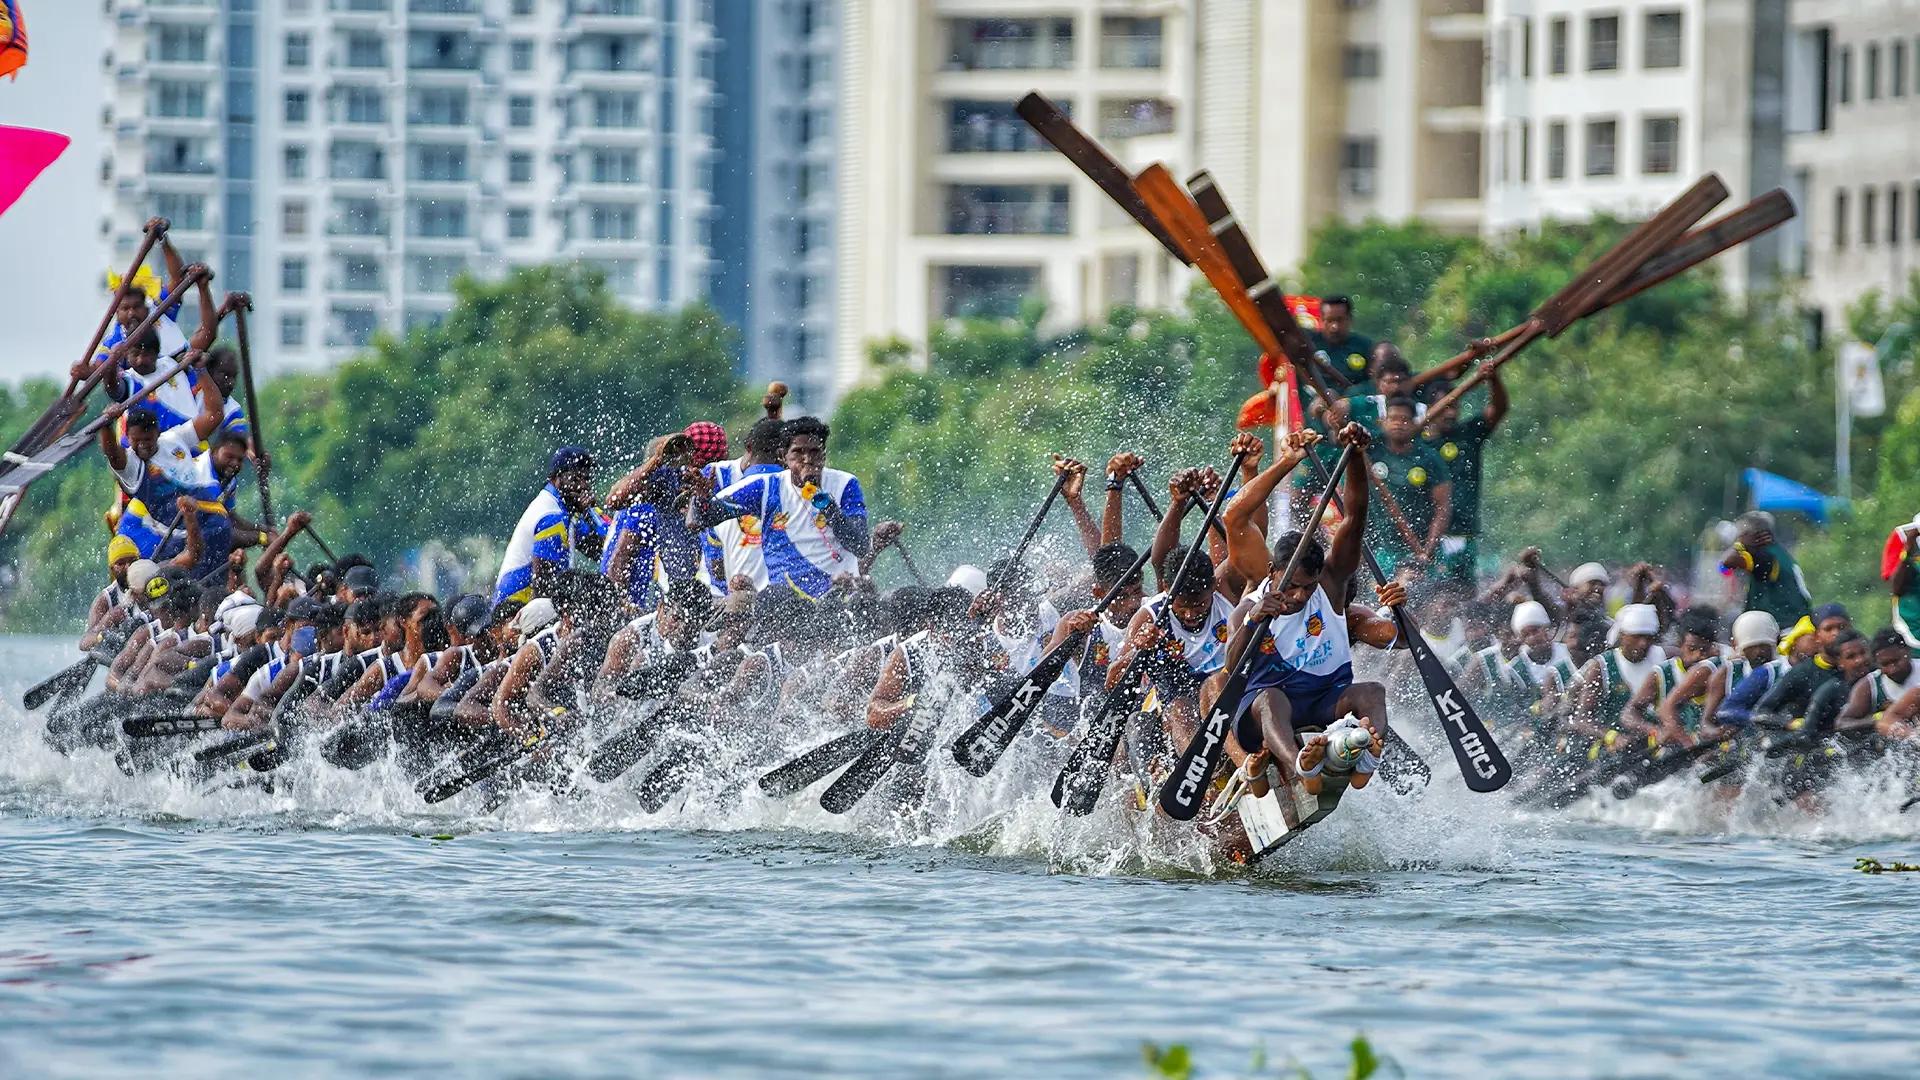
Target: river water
x,y
338,927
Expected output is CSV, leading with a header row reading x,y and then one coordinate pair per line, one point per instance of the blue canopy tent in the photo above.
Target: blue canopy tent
x,y
1773,492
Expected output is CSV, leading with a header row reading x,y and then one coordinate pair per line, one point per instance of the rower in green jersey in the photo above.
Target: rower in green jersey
x,y
1894,673
1346,352
1461,444
1607,683
1674,701
1542,668
1420,486
1774,583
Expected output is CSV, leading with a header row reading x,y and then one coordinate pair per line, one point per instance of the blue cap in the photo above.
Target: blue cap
x,y
1827,611
569,458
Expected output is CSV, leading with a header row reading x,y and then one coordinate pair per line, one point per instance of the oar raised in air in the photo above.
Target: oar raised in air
x,y
983,743
1185,789
240,304
1482,765
1077,787
1033,527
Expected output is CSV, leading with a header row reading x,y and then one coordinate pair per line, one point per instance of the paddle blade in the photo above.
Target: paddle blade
x,y
980,747
1077,789
156,727
70,680
494,751
802,772
1185,789
625,749
1481,763
866,771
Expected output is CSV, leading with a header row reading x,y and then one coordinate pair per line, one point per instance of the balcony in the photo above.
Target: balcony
x,y
444,7
1007,210
988,127
1131,52
1129,119
1010,44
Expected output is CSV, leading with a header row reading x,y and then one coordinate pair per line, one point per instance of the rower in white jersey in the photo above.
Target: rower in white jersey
x,y
732,548
1301,679
1542,666
1894,673
1605,686
1109,628
810,522
1180,640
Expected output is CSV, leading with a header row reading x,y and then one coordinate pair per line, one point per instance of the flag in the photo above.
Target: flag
x,y
13,39
1894,551
1860,379
24,154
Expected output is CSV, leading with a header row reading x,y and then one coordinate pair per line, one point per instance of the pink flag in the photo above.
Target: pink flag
x,y
24,153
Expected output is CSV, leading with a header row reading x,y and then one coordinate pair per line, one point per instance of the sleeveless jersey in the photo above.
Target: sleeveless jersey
x,y
1305,652
1886,691
1204,650
1691,711
1619,679
1102,646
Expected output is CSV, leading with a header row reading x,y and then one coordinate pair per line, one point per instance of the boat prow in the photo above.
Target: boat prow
x,y
1285,812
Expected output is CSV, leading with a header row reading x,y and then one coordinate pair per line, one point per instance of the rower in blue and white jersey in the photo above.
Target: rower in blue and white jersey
x,y
559,521
809,521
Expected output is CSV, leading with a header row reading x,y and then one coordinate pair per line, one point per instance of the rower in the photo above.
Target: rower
x,y
111,606
1605,685
1109,628
813,519
1671,705
1541,667
650,537
732,548
1181,638
1742,679
1421,486
560,520
1301,679
1894,673
1462,445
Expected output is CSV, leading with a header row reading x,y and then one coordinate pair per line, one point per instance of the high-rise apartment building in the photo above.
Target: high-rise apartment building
x,y
346,160
1853,149
1611,106
951,206
773,240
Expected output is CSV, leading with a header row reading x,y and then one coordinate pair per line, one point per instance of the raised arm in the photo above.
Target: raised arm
x,y
1073,493
1246,543
1113,514
209,327
1497,401
213,407
1167,536
268,565
1343,554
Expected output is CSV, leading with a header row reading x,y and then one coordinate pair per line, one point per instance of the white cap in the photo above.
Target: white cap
x,y
242,620
233,603
1755,628
1530,614
1589,572
1637,619
969,577
536,616
141,572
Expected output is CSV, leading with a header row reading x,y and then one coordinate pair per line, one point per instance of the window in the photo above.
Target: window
x,y
179,44
519,223
434,218
434,273
352,327
293,329
1871,89
520,111
439,106
1130,41
293,275
1660,145
365,49
1556,150
613,222
1893,215
613,166
1526,48
1661,45
187,213
356,160
1526,151
361,105
299,50
523,7
439,162
1840,220
615,110
1897,85
1359,159
293,217
988,44
1869,208
180,99
357,216
987,209
1360,61
1844,80
1603,43
1557,46
296,110
1602,140
1916,213
520,167
1132,117
521,54
293,162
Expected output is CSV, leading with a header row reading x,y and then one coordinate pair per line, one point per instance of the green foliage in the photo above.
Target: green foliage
x,y
441,434
1388,269
1175,1062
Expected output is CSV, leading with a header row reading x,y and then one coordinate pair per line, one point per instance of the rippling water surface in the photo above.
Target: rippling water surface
x,y
329,928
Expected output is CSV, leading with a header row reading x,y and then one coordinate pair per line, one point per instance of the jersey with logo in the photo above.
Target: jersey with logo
x,y
547,532
797,546
1305,652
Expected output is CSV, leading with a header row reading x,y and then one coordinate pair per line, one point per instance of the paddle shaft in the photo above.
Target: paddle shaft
x,y
253,414
126,284
1033,527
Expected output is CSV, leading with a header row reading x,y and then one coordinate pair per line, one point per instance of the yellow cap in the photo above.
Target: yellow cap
x,y
121,547
1800,629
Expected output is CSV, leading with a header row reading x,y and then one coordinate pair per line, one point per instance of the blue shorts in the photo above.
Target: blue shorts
x,y
1311,701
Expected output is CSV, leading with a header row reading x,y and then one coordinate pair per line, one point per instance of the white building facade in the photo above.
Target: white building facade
x,y
346,160
951,206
